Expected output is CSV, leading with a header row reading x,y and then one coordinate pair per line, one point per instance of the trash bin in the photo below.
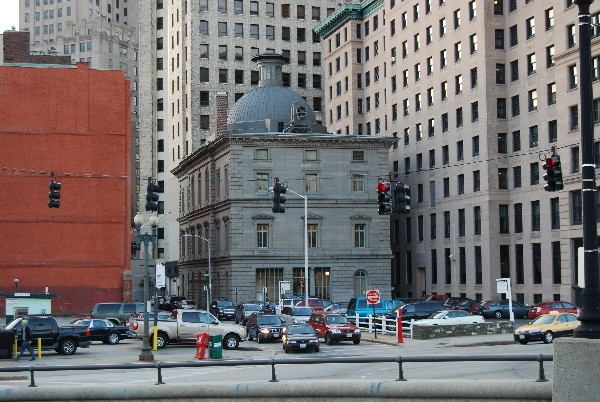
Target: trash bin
x,y
216,346
7,340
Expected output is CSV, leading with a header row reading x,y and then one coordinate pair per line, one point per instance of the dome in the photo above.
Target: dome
x,y
272,107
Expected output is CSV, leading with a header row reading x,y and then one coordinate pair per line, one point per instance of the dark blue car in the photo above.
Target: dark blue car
x,y
499,309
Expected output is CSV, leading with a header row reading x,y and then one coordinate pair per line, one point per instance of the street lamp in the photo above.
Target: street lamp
x,y
209,288
590,317
16,285
138,220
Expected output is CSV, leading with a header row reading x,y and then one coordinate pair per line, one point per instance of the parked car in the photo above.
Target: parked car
x,y
468,305
299,337
417,311
170,303
547,327
104,330
334,328
359,306
244,311
335,308
296,315
188,305
264,327
547,307
452,302
315,303
499,309
186,325
116,312
223,309
64,339
451,317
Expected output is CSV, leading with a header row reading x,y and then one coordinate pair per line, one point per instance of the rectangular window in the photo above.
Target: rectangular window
x,y
536,262
576,208
533,136
514,70
530,27
503,178
531,64
514,37
515,105
500,74
360,233
532,100
499,39
556,263
503,215
478,266
535,216
477,220
262,235
551,93
501,108
516,176
310,182
518,218
573,117
550,56
534,173
554,213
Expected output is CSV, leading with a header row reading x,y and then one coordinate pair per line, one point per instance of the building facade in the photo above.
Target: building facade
x,y
54,125
478,93
190,51
225,203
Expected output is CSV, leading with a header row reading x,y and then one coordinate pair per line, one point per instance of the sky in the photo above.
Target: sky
x,y
9,14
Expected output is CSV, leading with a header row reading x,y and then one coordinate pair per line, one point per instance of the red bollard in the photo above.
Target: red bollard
x,y
399,325
202,340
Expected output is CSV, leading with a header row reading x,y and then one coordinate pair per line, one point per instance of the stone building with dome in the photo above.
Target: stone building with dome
x,y
225,202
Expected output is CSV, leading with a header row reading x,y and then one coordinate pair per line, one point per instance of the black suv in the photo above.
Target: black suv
x,y
264,327
223,309
420,311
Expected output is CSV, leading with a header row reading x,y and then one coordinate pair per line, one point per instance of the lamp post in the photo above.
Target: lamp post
x,y
306,283
16,285
590,317
209,287
138,220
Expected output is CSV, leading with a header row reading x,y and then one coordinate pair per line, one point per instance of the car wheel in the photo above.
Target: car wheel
x,y
356,341
113,338
548,337
161,340
67,347
498,314
258,339
523,342
231,342
328,339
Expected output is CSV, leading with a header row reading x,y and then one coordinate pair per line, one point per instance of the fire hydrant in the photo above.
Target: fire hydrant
x,y
202,339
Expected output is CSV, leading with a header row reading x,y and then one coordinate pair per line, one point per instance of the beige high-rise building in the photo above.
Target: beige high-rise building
x,y
478,93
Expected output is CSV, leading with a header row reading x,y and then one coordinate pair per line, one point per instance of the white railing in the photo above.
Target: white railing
x,y
383,325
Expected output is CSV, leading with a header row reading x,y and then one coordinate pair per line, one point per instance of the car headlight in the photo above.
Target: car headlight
x,y
313,341
357,331
220,309
291,341
535,331
335,331
264,330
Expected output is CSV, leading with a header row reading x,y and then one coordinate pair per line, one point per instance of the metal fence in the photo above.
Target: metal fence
x,y
275,362
383,325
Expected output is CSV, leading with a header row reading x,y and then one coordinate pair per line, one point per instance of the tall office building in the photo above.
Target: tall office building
x,y
190,51
103,33
478,93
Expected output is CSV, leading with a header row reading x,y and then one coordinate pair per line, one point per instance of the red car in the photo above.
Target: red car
x,y
316,303
334,328
558,306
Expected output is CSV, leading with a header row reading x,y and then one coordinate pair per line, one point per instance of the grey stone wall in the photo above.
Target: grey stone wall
x,y
444,331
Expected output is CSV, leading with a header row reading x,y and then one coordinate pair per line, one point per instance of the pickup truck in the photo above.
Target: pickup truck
x,y
186,325
64,340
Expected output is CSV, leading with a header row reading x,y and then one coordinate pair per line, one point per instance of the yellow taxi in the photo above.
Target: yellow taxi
x,y
547,327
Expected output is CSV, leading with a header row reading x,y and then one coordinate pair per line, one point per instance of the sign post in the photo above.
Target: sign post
x,y
503,286
372,299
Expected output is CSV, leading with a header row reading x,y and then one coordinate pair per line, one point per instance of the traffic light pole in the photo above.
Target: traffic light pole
x,y
590,317
306,282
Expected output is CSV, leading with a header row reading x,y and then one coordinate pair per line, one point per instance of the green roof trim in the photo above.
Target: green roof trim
x,y
346,13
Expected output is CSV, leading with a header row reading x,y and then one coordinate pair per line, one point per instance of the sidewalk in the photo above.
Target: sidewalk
x,y
477,340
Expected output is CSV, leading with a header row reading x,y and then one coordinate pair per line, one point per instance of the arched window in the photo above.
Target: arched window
x,y
360,283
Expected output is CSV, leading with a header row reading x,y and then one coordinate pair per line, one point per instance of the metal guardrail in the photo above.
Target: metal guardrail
x,y
273,362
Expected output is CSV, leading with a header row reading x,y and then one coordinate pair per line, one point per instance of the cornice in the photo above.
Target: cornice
x,y
346,13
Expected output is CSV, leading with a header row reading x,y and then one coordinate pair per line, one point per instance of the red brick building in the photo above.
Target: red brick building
x,y
75,122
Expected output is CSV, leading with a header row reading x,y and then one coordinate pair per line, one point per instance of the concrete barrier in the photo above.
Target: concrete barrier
x,y
314,390
445,331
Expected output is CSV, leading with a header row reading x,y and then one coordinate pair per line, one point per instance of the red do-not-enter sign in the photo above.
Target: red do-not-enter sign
x,y
372,296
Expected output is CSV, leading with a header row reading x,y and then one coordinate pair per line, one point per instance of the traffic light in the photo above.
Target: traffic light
x,y
550,176
558,179
152,197
384,197
278,198
54,194
402,198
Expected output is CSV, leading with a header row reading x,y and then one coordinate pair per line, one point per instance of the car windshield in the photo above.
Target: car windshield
x,y
336,319
438,315
225,303
323,303
269,320
251,307
302,311
300,330
544,319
